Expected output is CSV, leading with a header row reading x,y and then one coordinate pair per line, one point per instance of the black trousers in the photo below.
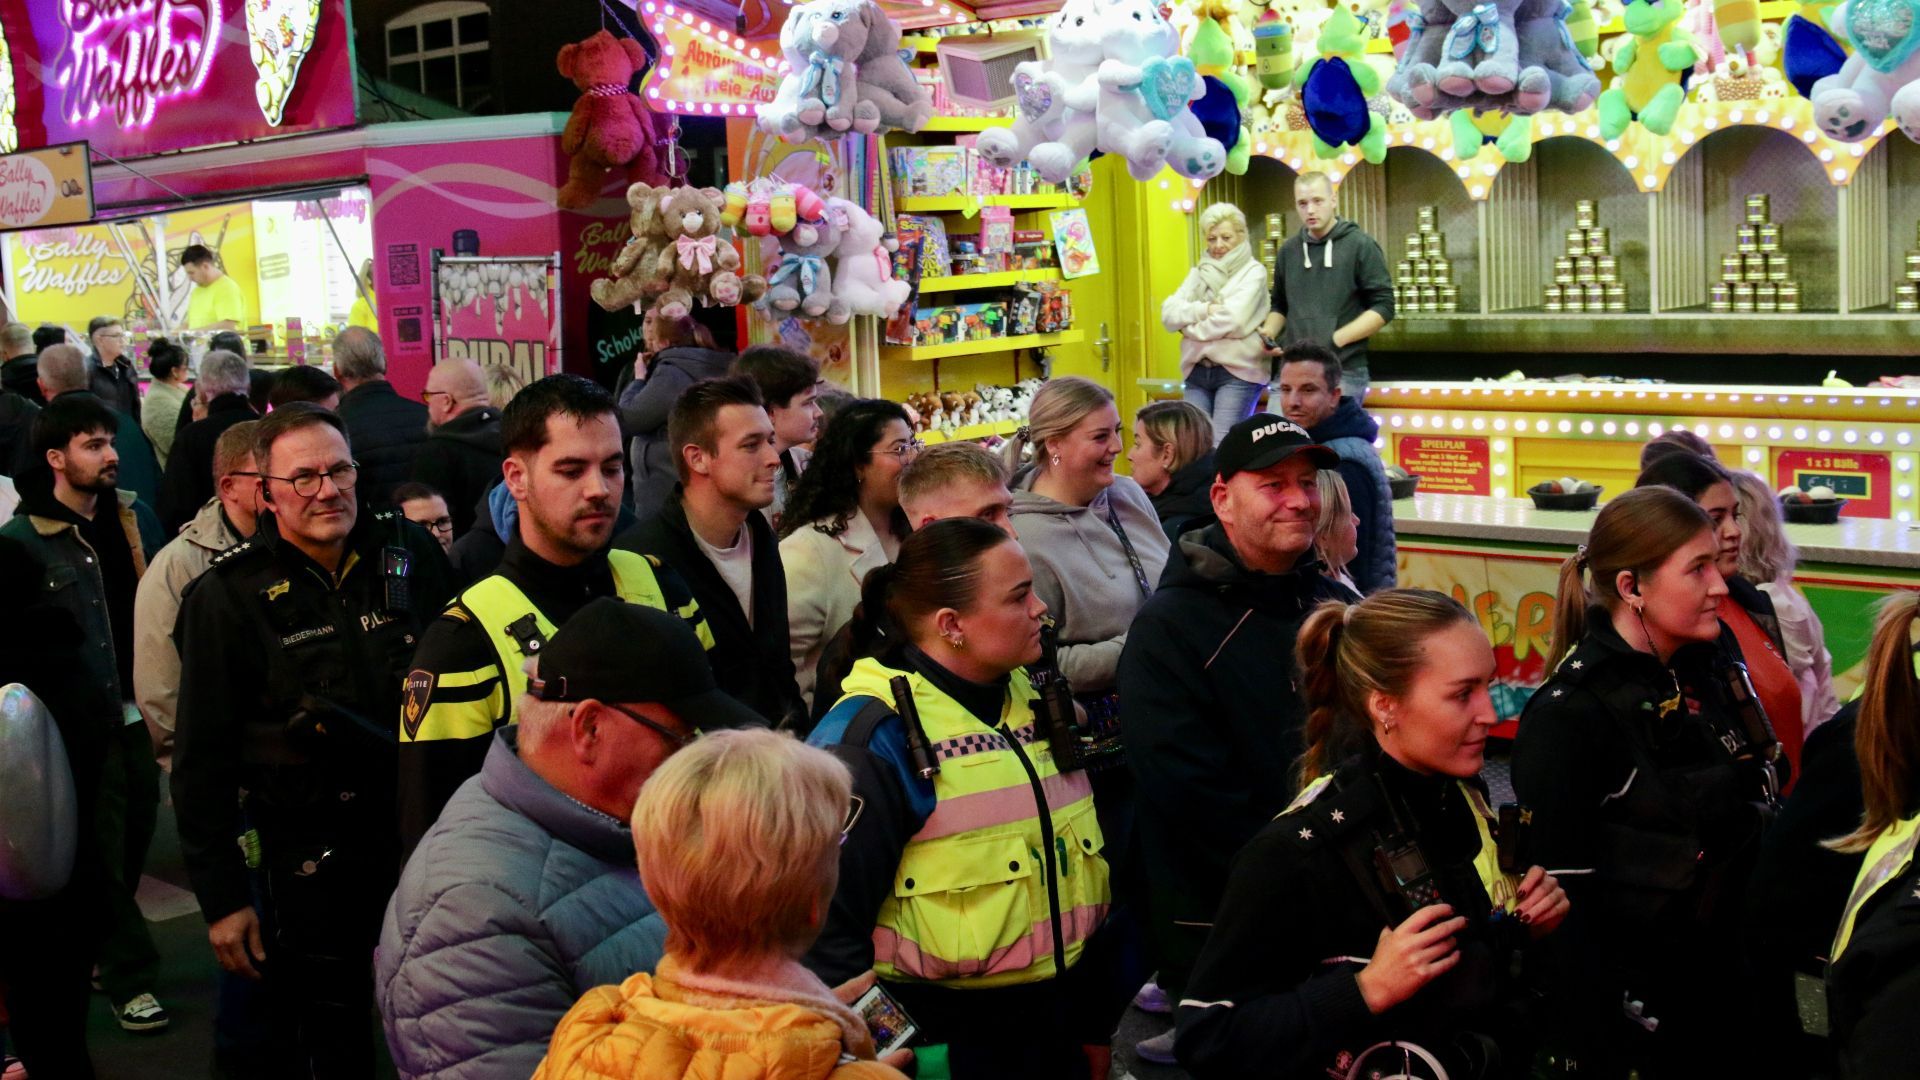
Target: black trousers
x,y
124,818
44,969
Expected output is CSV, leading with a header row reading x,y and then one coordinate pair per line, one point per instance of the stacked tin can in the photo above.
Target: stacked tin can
x,y
1757,276
1423,282
1270,244
1586,278
1906,294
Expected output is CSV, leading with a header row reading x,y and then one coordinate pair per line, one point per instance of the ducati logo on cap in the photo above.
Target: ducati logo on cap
x,y
1278,427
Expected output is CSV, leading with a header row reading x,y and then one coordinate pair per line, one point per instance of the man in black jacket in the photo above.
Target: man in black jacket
x,y
709,531
1211,733
110,371
19,365
461,459
387,430
223,383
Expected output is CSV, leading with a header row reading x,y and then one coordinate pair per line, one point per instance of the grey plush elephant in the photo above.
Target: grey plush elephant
x,y
846,73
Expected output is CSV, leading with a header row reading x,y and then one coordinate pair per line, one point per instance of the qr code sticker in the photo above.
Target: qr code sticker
x,y
403,264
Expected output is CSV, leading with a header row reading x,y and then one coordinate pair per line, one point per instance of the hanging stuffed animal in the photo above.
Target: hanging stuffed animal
x,y
845,73
1044,131
1335,92
1511,135
802,281
1224,110
696,263
610,128
1880,79
1548,43
1810,51
1145,93
863,268
1650,70
632,279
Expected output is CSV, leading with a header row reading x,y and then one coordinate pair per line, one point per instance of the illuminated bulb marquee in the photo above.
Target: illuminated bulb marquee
x,y
705,71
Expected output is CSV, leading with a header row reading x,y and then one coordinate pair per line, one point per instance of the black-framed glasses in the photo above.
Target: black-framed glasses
x,y
306,484
855,804
679,741
903,451
439,524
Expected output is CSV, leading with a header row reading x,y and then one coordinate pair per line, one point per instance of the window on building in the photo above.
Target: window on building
x,y
440,49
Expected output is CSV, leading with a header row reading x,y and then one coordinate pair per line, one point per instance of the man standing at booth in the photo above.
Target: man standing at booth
x,y
216,302
1331,285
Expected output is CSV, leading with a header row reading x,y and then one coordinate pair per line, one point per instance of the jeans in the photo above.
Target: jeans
x,y
1354,384
1223,396
124,820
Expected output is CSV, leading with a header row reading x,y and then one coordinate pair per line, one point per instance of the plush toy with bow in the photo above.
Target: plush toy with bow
x,y
802,280
863,272
632,278
845,73
1514,56
1880,79
696,263
1650,70
610,128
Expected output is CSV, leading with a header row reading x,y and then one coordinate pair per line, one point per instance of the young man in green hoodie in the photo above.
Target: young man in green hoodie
x,y
1331,285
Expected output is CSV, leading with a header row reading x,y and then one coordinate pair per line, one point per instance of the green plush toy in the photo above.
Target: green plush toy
x,y
1648,69
1212,52
1511,135
1342,38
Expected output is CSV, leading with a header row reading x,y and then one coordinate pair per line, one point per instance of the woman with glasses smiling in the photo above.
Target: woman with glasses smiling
x,y
842,519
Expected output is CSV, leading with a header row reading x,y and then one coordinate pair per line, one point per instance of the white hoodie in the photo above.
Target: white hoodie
x,y
1230,338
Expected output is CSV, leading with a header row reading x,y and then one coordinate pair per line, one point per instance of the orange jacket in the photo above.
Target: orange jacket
x,y
649,1028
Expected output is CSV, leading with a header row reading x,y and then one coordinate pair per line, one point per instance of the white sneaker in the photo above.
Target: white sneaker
x,y
1158,1049
143,1013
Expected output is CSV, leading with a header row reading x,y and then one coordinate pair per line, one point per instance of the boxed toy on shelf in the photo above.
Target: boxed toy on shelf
x,y
950,324
944,170
926,236
1032,250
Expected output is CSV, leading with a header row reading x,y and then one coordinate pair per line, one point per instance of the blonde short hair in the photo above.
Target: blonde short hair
x,y
1219,212
1180,424
1058,407
503,382
948,464
734,835
1335,503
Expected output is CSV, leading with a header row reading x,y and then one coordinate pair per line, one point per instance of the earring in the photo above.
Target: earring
x,y
1056,460
958,641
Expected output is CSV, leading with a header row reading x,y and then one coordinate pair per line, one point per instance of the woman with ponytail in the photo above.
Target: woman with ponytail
x,y
1318,964
1642,781
972,879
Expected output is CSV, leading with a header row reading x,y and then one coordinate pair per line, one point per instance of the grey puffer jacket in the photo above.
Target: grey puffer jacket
x,y
516,902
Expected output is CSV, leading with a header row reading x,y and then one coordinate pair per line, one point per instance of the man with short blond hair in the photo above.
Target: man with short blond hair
x,y
953,480
1331,285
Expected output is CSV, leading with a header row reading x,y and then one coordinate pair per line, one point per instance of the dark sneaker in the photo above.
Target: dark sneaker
x,y
1158,1049
143,1014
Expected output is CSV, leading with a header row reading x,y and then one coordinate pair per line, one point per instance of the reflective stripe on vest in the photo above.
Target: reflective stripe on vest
x,y
497,603
1887,859
969,903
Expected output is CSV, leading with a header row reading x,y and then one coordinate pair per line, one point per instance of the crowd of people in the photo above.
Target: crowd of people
x,y
687,727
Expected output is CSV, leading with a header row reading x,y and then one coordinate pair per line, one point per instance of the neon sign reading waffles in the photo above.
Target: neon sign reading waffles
x,y
124,57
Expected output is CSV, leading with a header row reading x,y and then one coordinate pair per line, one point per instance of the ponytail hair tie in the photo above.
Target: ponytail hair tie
x,y
1580,556
1024,433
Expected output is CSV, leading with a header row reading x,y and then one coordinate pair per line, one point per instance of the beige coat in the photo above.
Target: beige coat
x,y
823,586
156,606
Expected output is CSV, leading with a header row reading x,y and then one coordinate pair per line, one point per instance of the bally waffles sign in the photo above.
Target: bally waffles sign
x,y
138,77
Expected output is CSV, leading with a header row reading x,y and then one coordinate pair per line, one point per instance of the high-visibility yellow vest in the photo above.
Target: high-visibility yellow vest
x,y
1887,859
519,630
970,905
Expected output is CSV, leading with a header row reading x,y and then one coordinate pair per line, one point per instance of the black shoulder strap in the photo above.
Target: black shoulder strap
x,y
865,722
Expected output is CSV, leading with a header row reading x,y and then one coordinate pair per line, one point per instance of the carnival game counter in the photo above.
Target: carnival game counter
x,y
1501,558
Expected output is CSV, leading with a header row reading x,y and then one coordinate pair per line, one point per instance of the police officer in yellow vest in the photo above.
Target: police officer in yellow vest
x,y
566,473
972,880
1378,926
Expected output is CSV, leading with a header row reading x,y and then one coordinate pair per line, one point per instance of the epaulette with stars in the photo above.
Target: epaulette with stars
x,y
1325,811
233,552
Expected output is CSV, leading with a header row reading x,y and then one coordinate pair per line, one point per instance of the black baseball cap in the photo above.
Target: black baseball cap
x,y
615,652
1262,440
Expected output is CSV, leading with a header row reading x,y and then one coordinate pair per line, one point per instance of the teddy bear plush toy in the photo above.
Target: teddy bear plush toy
x,y
1515,56
609,128
695,262
632,277
863,273
803,279
1880,79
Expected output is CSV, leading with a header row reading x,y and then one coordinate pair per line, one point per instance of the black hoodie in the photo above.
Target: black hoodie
x,y
461,460
1212,723
1187,500
1322,285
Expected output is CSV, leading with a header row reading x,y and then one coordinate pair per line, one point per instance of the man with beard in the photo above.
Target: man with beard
x,y
293,644
1210,736
89,543
566,473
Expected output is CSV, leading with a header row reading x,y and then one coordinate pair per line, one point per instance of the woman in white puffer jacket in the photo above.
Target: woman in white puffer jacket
x,y
1218,311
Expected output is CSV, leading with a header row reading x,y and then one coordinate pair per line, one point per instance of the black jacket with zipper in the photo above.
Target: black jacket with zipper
x,y
754,663
386,432
1186,502
461,460
1213,723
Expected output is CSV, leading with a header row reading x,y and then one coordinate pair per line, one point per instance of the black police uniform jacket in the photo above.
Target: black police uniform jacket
x,y
1274,993
1621,762
262,629
1873,988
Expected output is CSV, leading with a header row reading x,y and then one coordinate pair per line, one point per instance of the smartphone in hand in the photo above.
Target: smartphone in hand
x,y
890,1025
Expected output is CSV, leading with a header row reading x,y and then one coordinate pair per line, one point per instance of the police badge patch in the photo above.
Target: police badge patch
x,y
413,708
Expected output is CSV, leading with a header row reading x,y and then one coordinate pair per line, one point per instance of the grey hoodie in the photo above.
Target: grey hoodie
x,y
1322,285
1080,569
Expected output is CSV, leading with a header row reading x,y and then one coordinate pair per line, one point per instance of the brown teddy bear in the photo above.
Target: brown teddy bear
x,y
696,261
610,128
632,277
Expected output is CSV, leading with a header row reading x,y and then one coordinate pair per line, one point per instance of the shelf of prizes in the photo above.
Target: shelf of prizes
x,y
1478,447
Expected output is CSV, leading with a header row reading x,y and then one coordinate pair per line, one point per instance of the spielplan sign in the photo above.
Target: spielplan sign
x,y
139,77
